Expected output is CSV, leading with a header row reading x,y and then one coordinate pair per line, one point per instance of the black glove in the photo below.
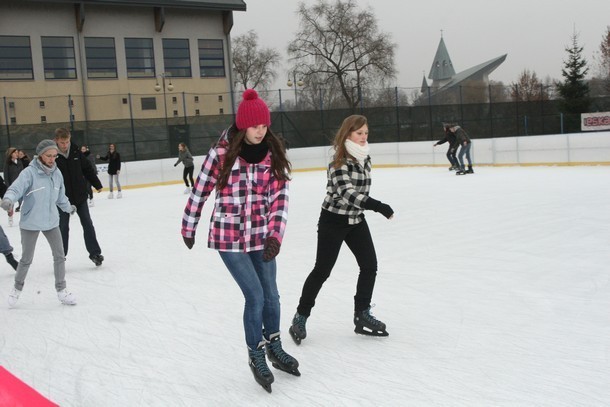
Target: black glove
x,y
272,249
189,241
378,206
175,165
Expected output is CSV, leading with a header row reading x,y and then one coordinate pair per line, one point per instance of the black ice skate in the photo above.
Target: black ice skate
x,y
367,324
298,331
461,171
258,365
97,259
10,259
279,358
469,170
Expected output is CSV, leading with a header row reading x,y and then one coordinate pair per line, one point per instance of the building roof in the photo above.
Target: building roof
x,y
232,5
476,72
442,67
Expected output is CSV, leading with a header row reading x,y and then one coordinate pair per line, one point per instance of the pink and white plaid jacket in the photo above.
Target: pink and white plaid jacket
x,y
252,207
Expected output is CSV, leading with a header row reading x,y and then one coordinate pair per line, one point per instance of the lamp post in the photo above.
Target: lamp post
x,y
169,88
296,84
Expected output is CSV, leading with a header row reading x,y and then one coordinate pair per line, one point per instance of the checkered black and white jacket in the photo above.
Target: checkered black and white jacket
x,y
252,207
347,189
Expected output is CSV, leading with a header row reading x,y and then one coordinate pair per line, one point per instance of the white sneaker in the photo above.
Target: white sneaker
x,y
13,297
66,297
119,195
187,191
91,204
111,196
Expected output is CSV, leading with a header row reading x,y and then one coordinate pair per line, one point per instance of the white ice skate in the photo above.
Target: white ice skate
x,y
187,191
66,298
119,195
13,297
111,196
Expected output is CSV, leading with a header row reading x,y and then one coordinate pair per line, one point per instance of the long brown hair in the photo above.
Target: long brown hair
x,y
350,124
280,166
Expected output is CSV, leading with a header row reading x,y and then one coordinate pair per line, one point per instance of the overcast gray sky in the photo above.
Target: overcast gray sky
x,y
534,33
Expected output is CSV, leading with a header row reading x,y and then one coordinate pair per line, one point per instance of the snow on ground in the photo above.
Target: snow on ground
x,y
494,287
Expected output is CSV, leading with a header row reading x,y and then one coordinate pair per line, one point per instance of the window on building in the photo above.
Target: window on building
x,y
197,112
196,99
41,104
58,56
175,113
221,111
124,101
15,58
220,98
43,119
101,57
13,120
177,57
140,57
149,103
211,59
174,99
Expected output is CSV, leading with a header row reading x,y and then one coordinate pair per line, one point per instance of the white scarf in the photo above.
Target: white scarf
x,y
357,151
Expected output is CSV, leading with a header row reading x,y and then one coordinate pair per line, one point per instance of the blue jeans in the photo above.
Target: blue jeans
x,y
257,281
465,150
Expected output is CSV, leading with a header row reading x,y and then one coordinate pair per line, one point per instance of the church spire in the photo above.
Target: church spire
x,y
442,67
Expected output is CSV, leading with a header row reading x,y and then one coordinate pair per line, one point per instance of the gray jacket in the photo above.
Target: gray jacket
x,y
185,157
43,192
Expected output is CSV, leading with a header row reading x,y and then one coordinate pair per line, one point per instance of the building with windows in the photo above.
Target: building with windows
x,y
64,61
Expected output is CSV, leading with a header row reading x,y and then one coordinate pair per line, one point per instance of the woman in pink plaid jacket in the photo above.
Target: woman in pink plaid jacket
x,y
249,171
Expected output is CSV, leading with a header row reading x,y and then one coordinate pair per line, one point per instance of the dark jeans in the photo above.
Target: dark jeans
x,y
82,210
451,157
465,150
188,172
331,235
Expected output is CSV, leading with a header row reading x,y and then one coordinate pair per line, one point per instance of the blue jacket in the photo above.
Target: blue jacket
x,y
42,194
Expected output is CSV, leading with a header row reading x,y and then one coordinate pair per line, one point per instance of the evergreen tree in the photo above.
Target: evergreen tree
x,y
574,90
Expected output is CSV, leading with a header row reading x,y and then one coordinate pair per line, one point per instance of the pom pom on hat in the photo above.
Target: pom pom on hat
x,y
45,145
252,111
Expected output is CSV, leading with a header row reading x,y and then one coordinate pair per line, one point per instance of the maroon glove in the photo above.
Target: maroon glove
x,y
272,249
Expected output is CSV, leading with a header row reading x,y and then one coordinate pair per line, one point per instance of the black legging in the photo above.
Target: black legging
x,y
188,172
331,236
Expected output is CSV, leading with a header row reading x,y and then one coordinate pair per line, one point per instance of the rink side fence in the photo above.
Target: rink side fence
x,y
560,150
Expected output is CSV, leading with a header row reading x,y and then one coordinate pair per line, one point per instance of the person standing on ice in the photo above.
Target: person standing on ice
x,y
453,145
114,169
185,157
249,172
465,144
342,220
41,186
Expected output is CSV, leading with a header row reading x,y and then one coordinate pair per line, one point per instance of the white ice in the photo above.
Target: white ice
x,y
494,287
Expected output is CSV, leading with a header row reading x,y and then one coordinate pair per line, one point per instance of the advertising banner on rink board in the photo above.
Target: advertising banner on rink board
x,y
595,121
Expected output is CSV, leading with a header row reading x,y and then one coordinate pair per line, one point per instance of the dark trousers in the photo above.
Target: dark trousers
x,y
452,157
331,236
82,210
188,172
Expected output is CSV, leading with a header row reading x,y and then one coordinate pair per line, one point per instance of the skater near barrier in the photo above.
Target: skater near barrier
x,y
12,168
249,172
5,245
77,171
342,220
453,145
465,144
114,170
42,187
185,157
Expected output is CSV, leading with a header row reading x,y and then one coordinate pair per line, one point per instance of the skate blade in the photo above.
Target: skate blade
x,y
294,372
368,332
294,336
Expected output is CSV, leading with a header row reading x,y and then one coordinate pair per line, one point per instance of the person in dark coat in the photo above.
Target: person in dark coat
x,y
453,145
25,159
77,170
12,168
114,169
465,144
87,153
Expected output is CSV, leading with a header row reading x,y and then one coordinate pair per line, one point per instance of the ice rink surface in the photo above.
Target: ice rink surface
x,y
494,287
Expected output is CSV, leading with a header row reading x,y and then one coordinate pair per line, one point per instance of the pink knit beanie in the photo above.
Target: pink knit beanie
x,y
252,111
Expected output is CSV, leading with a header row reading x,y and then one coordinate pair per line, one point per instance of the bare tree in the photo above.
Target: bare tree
x,y
528,88
253,67
600,83
342,45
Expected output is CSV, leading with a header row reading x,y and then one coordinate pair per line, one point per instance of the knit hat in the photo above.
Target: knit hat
x,y
252,111
45,145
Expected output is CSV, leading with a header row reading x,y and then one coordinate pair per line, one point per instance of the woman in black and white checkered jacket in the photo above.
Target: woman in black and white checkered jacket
x,y
342,220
